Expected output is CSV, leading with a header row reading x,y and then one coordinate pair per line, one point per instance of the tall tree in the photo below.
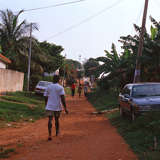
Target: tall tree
x,y
13,37
53,58
90,66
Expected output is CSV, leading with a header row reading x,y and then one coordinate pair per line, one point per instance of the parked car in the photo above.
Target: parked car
x,y
137,98
41,86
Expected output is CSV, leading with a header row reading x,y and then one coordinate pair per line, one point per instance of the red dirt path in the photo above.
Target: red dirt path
x,y
83,136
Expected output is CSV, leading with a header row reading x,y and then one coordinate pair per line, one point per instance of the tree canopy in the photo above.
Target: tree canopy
x,y
90,66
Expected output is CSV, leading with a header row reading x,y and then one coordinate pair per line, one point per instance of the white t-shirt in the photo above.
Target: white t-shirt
x,y
53,92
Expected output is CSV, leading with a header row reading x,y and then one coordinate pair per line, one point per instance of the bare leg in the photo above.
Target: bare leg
x,y
50,127
57,125
56,116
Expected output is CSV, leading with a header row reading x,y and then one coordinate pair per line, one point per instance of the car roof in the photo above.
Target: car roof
x,y
141,83
45,81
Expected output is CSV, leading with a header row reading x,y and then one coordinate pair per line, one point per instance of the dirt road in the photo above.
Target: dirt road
x,y
83,136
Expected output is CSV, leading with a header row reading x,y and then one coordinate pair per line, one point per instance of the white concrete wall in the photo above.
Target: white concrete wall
x,y
11,81
2,65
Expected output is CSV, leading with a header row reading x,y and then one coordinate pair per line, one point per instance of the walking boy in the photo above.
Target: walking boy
x,y
54,96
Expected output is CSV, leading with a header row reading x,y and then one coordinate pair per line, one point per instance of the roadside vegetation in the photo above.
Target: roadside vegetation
x,y
5,153
103,99
21,106
142,135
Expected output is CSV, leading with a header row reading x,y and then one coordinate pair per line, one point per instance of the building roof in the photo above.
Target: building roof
x,y
4,59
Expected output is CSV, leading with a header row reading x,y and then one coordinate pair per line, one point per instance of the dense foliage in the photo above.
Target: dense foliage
x,y
71,70
90,66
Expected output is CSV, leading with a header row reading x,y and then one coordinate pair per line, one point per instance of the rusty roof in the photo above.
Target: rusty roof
x,y
4,59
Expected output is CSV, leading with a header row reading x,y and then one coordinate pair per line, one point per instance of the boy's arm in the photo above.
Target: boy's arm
x,y
64,103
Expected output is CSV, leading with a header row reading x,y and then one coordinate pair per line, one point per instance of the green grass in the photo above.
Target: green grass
x,y
26,96
138,134
20,99
21,107
4,153
12,112
67,90
103,99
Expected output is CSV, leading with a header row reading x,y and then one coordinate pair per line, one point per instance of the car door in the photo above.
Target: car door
x,y
125,99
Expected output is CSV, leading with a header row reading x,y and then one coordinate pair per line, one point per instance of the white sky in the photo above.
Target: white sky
x,y
89,39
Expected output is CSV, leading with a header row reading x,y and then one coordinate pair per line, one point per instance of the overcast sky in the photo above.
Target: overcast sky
x,y
86,28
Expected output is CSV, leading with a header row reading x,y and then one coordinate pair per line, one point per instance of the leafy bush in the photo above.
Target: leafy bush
x,y
103,99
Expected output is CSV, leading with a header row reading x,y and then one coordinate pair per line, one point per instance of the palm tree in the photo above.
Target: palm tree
x,y
11,32
14,38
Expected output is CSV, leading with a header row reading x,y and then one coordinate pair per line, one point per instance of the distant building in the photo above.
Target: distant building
x,y
10,80
4,61
52,74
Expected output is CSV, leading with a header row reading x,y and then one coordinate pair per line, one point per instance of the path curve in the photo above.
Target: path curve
x,y
83,136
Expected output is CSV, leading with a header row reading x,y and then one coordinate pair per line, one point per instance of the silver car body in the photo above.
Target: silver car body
x,y
140,97
41,86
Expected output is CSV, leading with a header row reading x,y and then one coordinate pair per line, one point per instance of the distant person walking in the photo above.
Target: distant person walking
x,y
73,88
85,88
79,90
54,96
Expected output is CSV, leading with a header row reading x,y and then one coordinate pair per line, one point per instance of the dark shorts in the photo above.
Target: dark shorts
x,y
53,113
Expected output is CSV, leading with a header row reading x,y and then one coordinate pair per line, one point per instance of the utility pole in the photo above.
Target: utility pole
x,y
137,73
29,57
64,71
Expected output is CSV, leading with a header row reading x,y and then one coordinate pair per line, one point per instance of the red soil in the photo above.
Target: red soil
x,y
83,136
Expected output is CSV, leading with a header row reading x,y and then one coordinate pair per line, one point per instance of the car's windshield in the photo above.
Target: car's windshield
x,y
44,84
146,90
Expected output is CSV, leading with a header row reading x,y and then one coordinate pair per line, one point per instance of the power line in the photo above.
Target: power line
x,y
85,20
51,6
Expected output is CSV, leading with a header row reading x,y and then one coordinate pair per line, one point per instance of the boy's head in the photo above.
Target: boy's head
x,y
56,78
